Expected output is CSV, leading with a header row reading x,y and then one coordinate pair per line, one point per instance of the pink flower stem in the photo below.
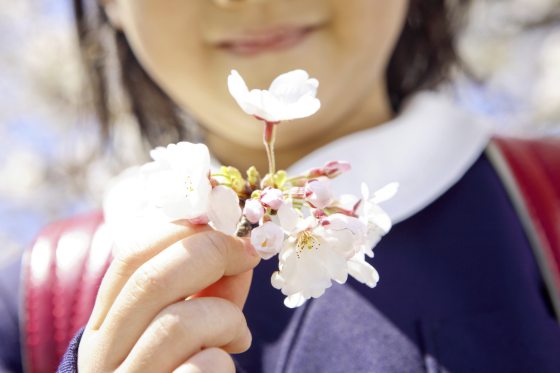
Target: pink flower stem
x,y
268,139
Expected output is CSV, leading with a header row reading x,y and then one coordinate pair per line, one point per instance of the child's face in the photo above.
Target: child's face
x,y
190,46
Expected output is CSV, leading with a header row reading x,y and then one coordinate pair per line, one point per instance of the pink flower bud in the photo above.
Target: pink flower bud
x,y
272,198
319,193
315,173
335,168
331,170
253,211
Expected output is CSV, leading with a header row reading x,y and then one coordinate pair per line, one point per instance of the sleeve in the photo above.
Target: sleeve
x,y
10,351
69,362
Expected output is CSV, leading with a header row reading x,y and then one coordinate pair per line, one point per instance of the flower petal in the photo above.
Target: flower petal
x,y
363,271
288,217
304,107
385,193
223,209
238,89
379,217
294,300
319,193
291,86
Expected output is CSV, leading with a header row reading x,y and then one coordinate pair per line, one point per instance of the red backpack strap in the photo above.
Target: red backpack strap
x,y
530,170
61,274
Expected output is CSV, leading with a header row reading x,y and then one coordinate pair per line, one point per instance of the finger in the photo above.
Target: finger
x,y
132,250
210,360
183,329
174,274
233,288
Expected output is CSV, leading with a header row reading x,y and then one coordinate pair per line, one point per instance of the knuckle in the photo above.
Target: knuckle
x,y
182,317
166,323
211,322
148,280
218,312
128,260
219,308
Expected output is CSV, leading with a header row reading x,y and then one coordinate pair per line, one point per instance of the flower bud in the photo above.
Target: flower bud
x,y
319,193
253,177
280,178
253,211
336,168
272,198
234,177
331,170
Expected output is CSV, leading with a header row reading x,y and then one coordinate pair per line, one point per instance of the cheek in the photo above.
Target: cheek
x,y
165,37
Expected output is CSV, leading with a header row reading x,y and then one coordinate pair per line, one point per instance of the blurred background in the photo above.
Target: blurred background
x,y
47,133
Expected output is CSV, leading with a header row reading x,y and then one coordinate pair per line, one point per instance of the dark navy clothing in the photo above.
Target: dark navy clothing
x,y
10,360
69,362
460,291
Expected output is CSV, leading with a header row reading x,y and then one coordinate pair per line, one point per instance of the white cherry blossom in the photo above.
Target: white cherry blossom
x,y
319,251
307,265
177,180
290,96
175,185
267,239
346,234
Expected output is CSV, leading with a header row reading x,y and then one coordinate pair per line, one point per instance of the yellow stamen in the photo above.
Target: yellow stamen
x,y
306,240
188,186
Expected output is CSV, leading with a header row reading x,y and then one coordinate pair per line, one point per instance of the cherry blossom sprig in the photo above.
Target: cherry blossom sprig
x,y
318,236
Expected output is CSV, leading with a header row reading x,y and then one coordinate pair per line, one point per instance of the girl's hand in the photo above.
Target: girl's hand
x,y
171,300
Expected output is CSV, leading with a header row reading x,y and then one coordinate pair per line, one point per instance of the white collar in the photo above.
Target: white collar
x,y
427,149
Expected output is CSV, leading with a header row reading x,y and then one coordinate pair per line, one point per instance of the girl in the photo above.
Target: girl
x,y
460,288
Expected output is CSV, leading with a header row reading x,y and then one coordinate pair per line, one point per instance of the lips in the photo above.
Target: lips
x,y
265,40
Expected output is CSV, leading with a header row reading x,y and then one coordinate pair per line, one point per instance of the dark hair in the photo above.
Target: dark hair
x,y
422,58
